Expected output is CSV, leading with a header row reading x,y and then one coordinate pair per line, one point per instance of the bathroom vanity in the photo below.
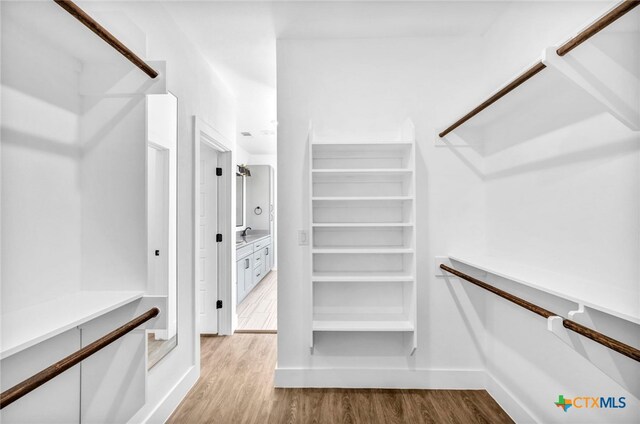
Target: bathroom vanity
x,y
254,260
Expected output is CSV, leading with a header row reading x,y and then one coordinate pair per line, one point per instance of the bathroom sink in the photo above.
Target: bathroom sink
x,y
252,238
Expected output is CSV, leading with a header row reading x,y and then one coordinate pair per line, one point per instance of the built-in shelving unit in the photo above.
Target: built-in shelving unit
x,y
362,235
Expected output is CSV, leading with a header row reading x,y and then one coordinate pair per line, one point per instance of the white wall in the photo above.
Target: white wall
x,y
200,92
242,156
258,196
41,202
271,160
368,85
549,203
565,199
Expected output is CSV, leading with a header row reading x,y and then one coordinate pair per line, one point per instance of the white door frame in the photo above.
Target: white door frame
x,y
205,133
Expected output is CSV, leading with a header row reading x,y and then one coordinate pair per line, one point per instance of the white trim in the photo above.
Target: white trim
x,y
170,402
379,378
207,134
518,412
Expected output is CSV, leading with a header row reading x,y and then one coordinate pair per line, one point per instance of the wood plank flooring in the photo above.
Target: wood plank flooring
x,y
236,386
259,311
157,349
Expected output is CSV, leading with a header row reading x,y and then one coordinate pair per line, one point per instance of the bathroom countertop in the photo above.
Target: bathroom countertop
x,y
251,238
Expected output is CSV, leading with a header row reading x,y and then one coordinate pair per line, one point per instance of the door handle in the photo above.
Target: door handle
x,y
246,264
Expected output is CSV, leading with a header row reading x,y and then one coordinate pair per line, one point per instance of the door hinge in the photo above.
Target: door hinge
x,y
218,238
219,172
219,304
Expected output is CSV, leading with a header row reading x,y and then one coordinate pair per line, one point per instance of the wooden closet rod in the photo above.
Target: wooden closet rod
x,y
539,66
21,389
613,344
511,298
617,12
101,32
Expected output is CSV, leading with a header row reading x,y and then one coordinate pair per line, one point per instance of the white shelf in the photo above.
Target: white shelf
x,y
360,224
27,327
349,325
599,297
364,171
349,144
367,250
345,276
368,198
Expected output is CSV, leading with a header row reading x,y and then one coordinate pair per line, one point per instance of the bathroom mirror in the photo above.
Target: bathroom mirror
x,y
239,200
162,225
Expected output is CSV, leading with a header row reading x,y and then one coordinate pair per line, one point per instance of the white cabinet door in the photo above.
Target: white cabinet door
x,y
268,258
240,266
248,275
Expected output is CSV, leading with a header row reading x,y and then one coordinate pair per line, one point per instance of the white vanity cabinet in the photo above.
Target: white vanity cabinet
x,y
254,260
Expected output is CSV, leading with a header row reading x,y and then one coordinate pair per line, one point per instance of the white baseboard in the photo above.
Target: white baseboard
x,y
380,378
518,412
163,410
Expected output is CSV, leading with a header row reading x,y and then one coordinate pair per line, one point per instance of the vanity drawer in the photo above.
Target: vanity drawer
x,y
244,251
258,258
261,243
258,273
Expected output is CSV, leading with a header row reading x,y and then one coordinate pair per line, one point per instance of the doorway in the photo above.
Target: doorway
x,y
255,249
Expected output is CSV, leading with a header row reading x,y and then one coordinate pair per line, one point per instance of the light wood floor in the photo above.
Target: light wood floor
x,y
259,311
157,349
236,386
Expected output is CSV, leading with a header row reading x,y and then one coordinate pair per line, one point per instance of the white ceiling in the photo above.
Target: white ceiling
x,y
239,40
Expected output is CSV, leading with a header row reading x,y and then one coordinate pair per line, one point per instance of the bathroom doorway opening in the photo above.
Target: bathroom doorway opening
x,y
257,279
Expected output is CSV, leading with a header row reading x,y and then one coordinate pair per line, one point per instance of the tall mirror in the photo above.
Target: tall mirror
x,y
162,277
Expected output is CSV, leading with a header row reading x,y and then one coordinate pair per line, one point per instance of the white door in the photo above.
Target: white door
x,y
208,249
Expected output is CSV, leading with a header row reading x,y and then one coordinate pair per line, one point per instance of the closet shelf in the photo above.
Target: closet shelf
x,y
27,327
346,276
364,198
348,325
365,250
595,296
360,224
350,144
572,73
364,171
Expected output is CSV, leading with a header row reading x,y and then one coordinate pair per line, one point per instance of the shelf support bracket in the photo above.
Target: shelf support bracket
x,y
619,368
620,102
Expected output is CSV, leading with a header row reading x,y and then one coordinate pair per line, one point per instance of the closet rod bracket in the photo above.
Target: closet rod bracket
x,y
617,100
